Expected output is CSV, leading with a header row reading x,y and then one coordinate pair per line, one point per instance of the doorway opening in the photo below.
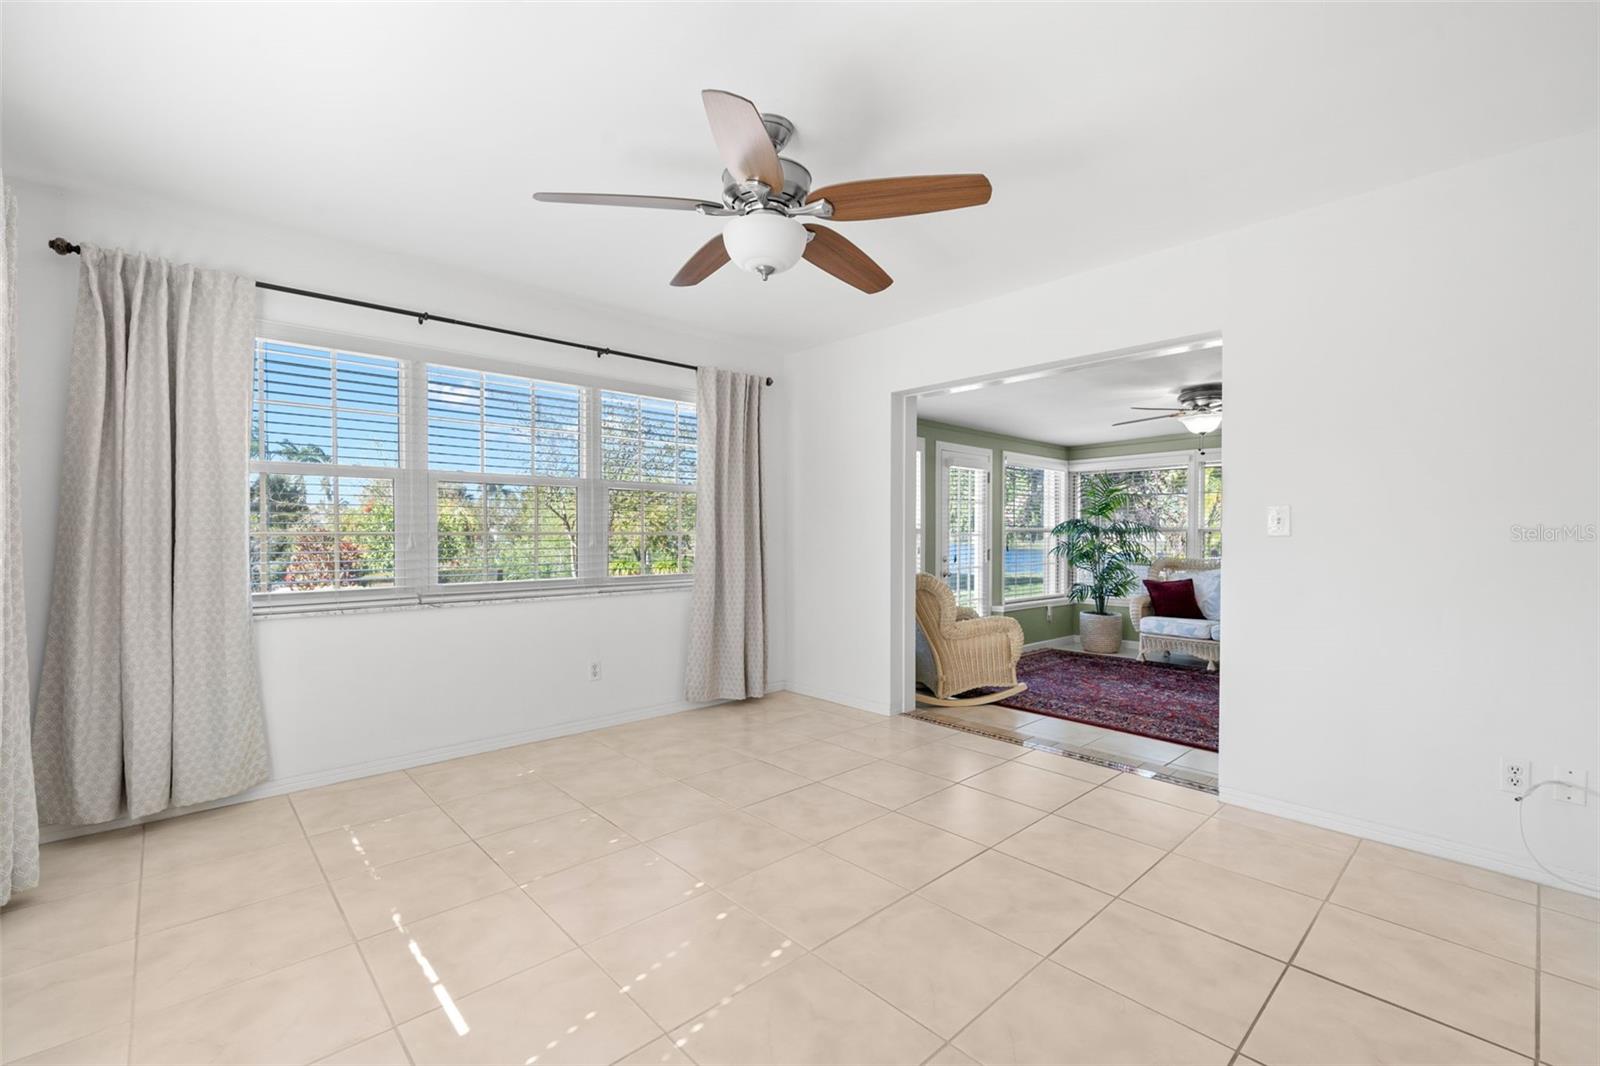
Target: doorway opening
x,y
1081,502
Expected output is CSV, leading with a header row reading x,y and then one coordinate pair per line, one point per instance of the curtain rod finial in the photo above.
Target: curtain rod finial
x,y
62,246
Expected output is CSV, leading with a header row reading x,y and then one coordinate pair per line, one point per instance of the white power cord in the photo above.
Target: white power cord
x,y
1522,831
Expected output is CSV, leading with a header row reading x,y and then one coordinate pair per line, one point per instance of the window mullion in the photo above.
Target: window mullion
x,y
593,507
413,517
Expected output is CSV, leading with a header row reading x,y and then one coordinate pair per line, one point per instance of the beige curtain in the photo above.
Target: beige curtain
x,y
19,817
149,694
728,625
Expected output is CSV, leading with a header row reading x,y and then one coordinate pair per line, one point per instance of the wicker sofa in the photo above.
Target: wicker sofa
x,y
1200,637
959,651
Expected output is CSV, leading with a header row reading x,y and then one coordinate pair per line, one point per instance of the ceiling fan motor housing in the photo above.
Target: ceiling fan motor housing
x,y
1201,396
796,186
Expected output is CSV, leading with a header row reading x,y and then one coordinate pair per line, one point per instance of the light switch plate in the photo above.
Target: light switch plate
x,y
1278,520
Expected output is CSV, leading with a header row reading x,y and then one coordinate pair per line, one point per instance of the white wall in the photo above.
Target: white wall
x,y
356,692
1383,659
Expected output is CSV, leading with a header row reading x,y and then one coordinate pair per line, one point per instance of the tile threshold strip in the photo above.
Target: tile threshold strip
x,y
1052,748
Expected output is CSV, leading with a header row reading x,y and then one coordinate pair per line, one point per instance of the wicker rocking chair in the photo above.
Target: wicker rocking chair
x,y
964,651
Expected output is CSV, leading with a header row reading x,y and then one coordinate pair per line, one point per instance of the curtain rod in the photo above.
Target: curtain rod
x,y
62,246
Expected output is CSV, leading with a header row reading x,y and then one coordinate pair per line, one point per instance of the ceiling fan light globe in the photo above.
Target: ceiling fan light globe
x,y
1201,422
764,242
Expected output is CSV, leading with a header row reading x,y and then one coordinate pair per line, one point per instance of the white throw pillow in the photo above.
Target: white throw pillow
x,y
1207,589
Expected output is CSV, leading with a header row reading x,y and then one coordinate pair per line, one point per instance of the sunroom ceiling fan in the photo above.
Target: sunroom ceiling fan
x,y
765,197
1199,409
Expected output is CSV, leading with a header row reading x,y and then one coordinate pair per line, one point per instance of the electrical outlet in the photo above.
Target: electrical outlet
x,y
1513,776
1574,786
1279,520
594,670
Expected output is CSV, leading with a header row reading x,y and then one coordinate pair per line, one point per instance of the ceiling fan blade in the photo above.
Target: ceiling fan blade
x,y
854,201
711,257
603,199
742,139
1152,418
832,253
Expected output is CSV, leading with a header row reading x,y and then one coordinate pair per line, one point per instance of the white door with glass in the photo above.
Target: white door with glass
x,y
964,523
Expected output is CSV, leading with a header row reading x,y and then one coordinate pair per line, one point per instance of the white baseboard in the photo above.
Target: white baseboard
x,y
316,779
1053,642
1129,647
845,699
1511,863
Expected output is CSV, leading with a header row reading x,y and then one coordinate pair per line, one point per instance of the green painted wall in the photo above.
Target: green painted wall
x,y
1037,622
1180,442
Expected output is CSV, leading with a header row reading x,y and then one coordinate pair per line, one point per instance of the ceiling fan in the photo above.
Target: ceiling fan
x,y
1199,409
765,197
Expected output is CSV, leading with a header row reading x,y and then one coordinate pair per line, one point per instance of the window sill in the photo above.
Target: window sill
x,y
1028,605
412,601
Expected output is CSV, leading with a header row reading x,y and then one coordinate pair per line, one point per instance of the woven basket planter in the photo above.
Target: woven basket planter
x,y
1100,633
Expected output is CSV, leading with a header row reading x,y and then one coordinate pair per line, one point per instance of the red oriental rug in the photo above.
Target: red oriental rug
x,y
1159,700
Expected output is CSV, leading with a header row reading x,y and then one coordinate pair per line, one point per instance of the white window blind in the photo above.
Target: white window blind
x,y
324,464
966,532
382,478
649,459
1034,503
505,457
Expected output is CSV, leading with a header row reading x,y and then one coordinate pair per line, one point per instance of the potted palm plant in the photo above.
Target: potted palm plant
x,y
1102,547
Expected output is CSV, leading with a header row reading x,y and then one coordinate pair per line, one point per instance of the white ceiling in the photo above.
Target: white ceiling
x,y
1079,406
1108,130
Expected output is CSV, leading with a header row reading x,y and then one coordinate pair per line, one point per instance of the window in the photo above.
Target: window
x,y
649,458
1210,531
324,461
1035,502
1180,494
965,523
504,461
395,479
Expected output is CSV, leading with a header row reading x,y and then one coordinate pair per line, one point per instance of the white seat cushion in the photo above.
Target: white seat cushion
x,y
1190,628
1207,589
1216,631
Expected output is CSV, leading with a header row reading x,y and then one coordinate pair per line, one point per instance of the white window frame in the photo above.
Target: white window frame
x,y
946,454
1039,462
1195,461
416,486
920,498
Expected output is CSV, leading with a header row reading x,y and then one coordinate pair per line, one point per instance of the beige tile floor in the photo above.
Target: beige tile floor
x,y
783,881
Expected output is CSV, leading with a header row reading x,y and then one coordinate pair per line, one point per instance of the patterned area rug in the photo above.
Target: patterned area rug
x,y
1159,700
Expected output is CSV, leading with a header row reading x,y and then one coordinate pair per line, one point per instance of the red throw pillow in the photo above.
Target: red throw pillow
x,y
1173,599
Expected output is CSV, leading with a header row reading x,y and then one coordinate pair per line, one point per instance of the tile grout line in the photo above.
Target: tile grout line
x,y
1414,1012
138,937
577,945
1538,971
355,941
1113,898
1289,963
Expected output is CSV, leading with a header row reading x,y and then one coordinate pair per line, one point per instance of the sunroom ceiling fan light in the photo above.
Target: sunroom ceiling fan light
x,y
764,242
1201,422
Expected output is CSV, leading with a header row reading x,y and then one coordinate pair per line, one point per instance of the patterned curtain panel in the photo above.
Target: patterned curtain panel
x,y
149,697
19,817
728,627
